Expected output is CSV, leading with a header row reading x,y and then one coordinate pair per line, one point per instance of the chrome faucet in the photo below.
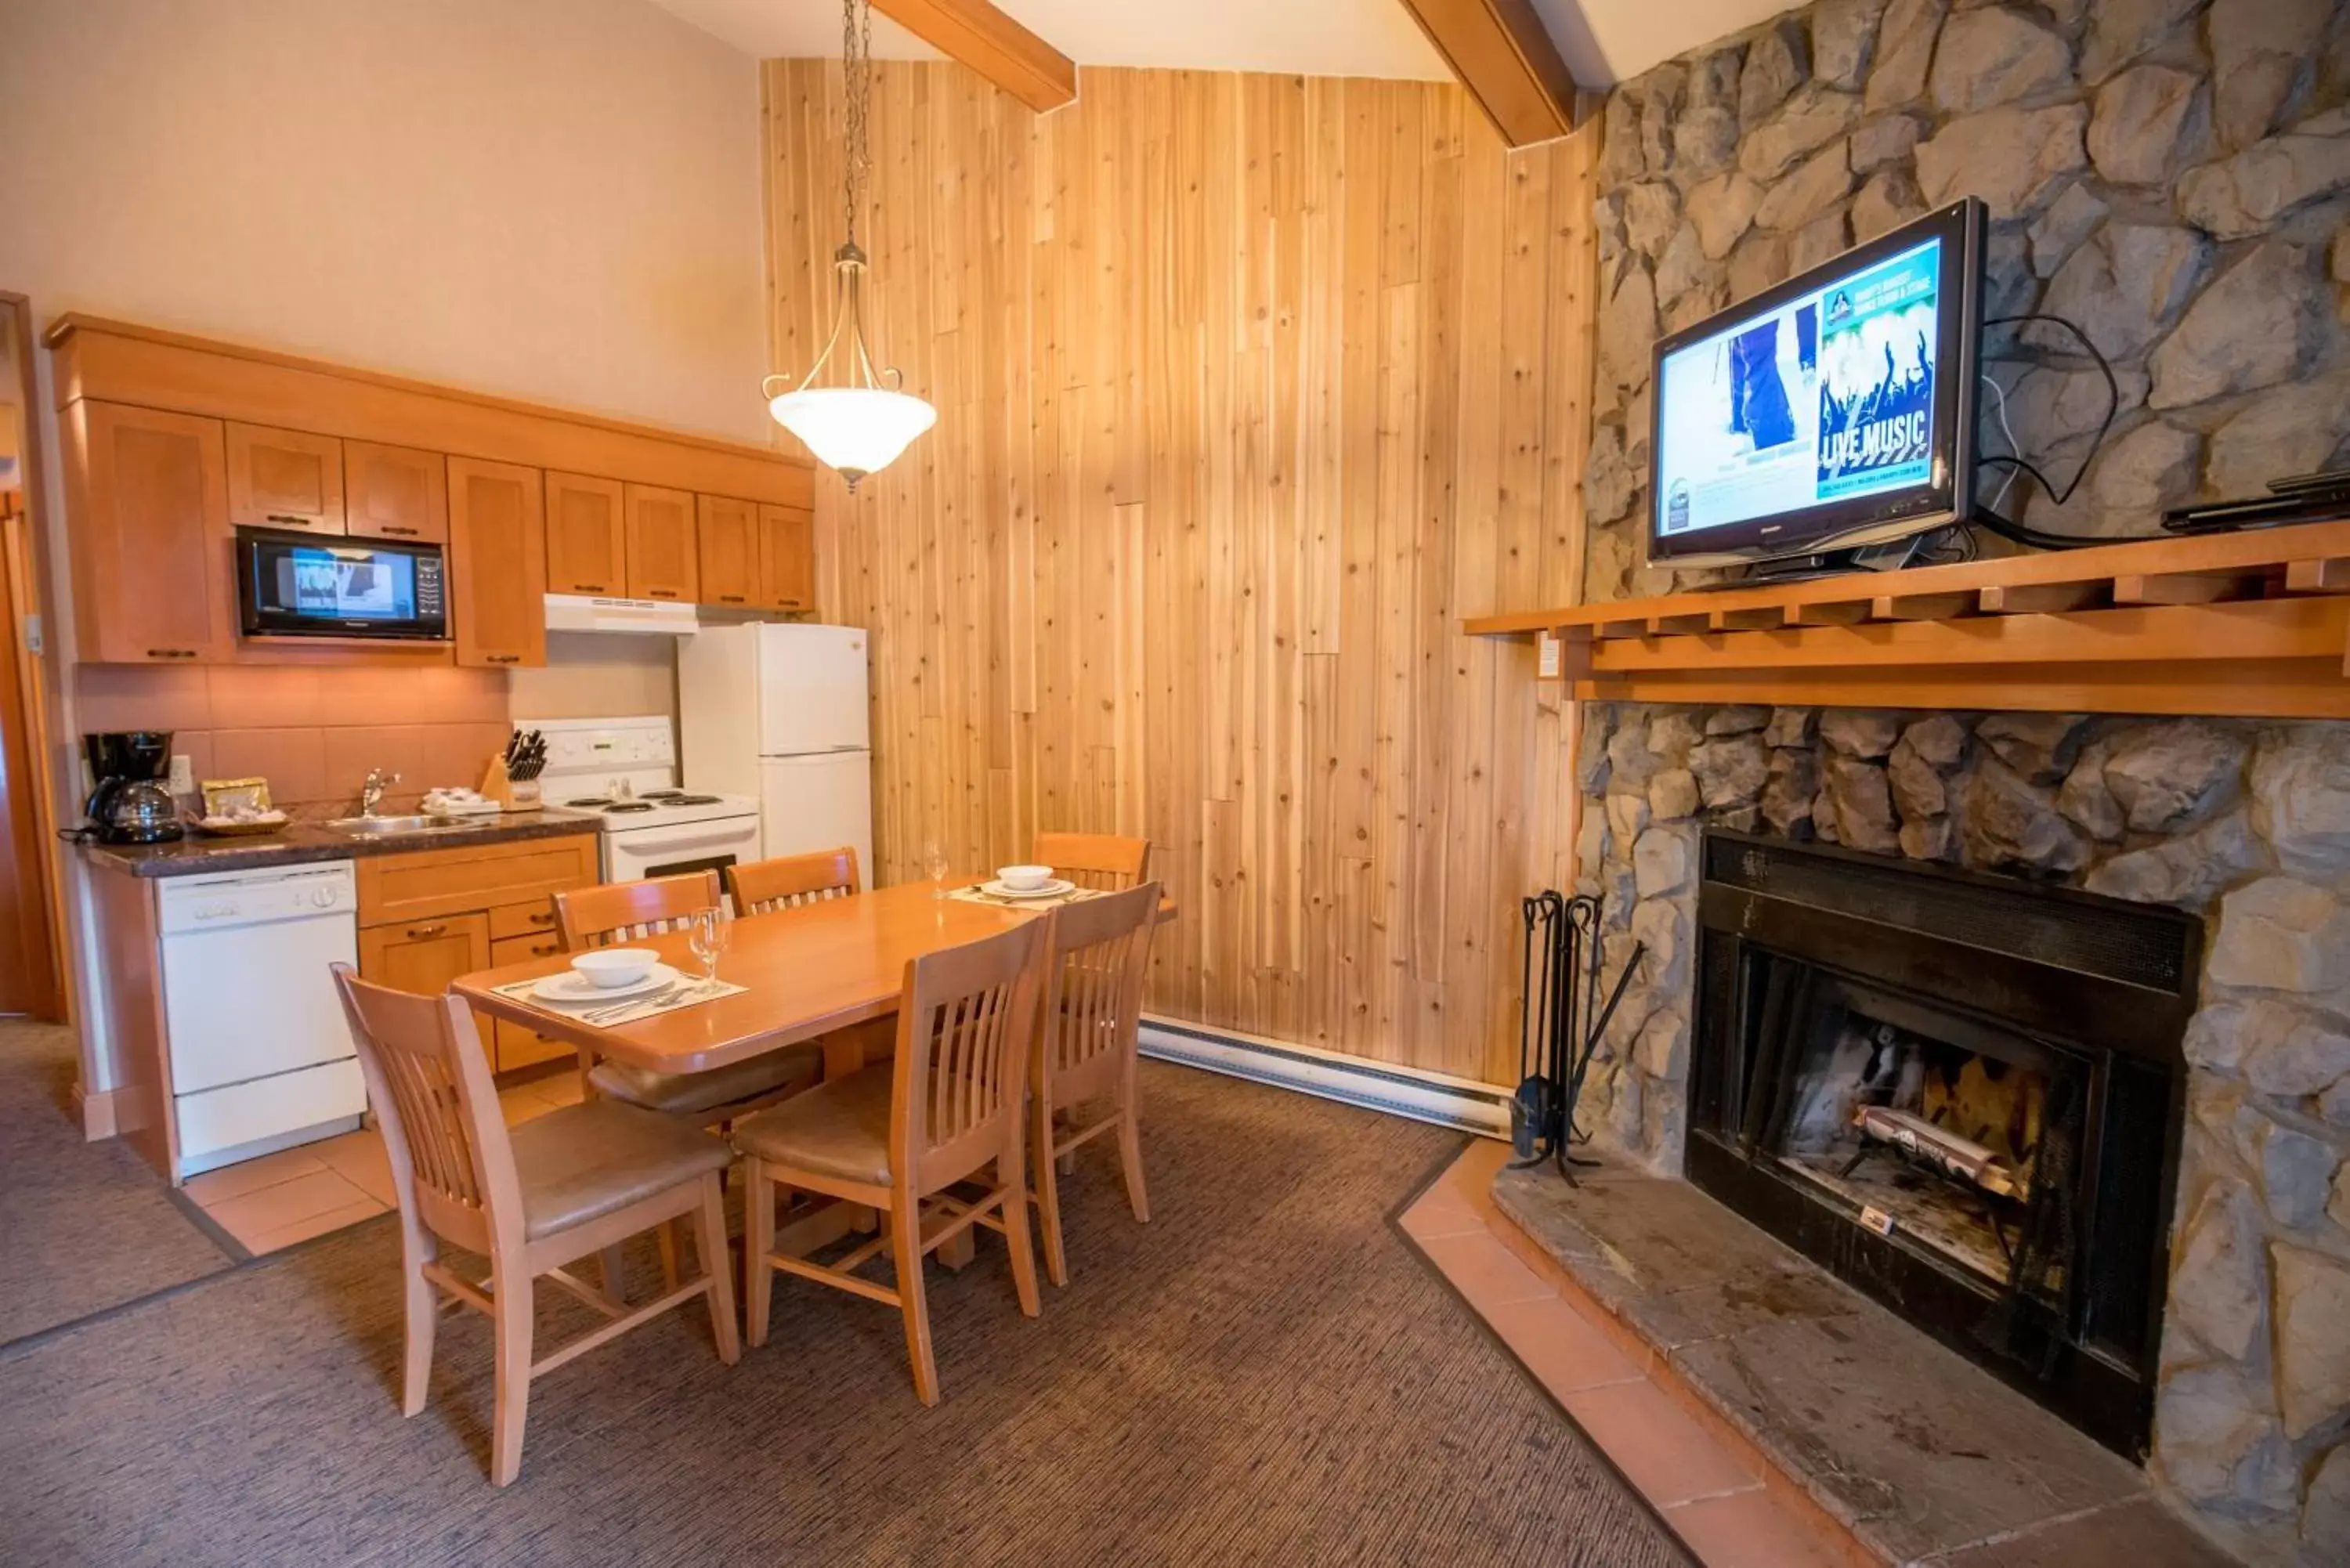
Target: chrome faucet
x,y
371,792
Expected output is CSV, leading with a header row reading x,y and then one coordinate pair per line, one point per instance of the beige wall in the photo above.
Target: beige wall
x,y
555,198
599,675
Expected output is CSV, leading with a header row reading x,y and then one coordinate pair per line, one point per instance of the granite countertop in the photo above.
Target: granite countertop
x,y
302,843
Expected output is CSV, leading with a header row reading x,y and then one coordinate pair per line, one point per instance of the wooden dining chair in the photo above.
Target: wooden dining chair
x,y
1088,1047
1105,862
790,881
620,912
894,1135
532,1199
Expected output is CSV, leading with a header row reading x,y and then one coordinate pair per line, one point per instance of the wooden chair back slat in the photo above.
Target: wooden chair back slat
x,y
962,1066
790,881
1105,862
620,912
428,1081
1093,997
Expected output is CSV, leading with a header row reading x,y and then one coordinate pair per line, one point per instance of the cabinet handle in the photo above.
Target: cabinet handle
x,y
731,600
395,529
543,917
291,522
593,588
660,593
171,653
503,658
546,949
418,933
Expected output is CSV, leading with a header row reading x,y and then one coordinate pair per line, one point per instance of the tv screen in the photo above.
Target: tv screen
x,y
332,585
1834,411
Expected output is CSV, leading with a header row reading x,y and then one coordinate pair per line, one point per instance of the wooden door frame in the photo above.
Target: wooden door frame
x,y
40,676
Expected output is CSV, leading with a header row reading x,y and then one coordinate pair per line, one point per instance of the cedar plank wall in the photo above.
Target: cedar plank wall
x,y
1250,387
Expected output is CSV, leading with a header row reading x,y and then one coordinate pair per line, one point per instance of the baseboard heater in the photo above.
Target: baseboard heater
x,y
1458,1103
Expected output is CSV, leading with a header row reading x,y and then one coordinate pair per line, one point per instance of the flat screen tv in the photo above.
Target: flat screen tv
x,y
1833,411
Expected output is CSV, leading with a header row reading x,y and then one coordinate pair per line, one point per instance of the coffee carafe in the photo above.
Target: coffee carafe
x,y
131,803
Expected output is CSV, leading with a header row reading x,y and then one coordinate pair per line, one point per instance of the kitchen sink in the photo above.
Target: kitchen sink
x,y
375,824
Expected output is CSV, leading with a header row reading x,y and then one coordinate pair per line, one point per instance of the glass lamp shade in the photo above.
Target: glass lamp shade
x,y
856,430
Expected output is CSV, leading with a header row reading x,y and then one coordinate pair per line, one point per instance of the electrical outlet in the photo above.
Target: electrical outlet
x,y
183,775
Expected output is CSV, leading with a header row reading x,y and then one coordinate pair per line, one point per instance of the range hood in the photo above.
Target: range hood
x,y
579,612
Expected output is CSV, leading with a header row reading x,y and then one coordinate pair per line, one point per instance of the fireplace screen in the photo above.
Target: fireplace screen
x,y
1962,1093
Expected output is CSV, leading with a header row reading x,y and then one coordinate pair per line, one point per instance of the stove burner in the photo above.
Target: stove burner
x,y
616,807
666,796
692,800
593,800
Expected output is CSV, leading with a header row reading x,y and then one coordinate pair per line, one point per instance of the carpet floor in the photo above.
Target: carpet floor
x,y
1266,1372
83,1226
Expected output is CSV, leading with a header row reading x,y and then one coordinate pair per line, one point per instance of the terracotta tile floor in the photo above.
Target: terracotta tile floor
x,y
1729,1507
299,1193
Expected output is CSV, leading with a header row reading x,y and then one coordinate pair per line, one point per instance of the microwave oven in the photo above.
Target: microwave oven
x,y
323,585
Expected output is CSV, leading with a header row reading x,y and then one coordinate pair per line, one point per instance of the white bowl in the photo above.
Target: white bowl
x,y
608,967
1024,879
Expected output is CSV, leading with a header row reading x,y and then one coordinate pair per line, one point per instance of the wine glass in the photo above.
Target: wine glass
x,y
708,935
935,865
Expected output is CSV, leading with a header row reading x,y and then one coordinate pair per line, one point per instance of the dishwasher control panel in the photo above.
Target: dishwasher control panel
x,y
255,897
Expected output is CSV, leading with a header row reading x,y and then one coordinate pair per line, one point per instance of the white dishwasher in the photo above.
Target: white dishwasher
x,y
261,1057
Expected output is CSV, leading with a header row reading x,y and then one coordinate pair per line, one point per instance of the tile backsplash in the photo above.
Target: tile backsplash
x,y
313,732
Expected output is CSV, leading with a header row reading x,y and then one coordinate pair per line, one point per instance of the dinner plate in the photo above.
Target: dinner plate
x,y
1051,890
577,990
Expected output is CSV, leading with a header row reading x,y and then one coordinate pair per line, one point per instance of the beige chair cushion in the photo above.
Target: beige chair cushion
x,y
583,1162
699,1093
835,1129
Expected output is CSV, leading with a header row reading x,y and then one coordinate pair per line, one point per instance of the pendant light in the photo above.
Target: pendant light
x,y
860,425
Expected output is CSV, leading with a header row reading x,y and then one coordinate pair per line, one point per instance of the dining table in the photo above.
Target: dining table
x,y
823,970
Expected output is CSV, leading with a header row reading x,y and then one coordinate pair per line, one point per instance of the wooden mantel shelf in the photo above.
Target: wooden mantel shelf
x,y
2254,624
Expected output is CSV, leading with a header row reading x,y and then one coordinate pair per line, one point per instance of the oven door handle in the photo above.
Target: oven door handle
x,y
646,849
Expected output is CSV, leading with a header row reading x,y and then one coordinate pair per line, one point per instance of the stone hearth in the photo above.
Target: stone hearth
x,y
2248,825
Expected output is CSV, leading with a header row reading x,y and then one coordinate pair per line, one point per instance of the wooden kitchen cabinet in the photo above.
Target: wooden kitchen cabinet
x,y
153,571
395,491
729,535
284,479
424,956
512,1044
587,535
663,552
497,563
428,916
787,558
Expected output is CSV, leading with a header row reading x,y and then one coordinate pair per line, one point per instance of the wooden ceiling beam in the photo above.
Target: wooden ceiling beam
x,y
1500,52
993,44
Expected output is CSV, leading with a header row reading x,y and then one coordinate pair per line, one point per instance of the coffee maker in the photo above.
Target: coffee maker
x,y
131,803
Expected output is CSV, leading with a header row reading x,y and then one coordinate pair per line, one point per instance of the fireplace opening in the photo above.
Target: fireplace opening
x,y
1962,1094
1957,1134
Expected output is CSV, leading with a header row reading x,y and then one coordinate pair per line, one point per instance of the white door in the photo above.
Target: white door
x,y
811,689
819,803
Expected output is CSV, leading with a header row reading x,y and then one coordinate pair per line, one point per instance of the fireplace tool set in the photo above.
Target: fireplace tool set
x,y
1560,1021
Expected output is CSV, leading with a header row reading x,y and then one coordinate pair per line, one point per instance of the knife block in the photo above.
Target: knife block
x,y
514,794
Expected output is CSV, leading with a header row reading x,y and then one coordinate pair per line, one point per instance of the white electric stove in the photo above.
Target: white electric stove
x,y
626,770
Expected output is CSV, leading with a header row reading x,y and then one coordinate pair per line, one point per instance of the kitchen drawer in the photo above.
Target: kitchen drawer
x,y
535,918
237,1114
516,1045
424,955
419,885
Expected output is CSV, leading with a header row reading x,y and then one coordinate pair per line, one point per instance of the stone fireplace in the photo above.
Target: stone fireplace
x,y
2197,1116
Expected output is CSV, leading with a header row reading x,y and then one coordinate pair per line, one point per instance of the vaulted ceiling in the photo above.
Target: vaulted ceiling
x,y
1601,41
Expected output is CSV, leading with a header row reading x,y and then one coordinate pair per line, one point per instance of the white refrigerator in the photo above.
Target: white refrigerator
x,y
776,710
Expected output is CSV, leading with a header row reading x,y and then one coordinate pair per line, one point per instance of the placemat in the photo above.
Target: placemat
x,y
612,1014
971,894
